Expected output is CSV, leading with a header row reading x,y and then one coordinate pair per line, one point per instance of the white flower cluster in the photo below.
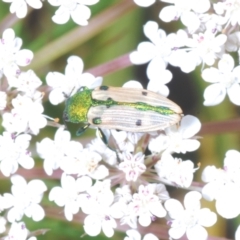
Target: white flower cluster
x,y
76,9
125,181
211,35
22,115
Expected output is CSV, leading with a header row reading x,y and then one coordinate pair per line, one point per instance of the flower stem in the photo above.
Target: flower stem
x,y
217,127
111,66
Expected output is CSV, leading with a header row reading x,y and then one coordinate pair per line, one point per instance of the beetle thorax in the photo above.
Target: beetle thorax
x,y
78,105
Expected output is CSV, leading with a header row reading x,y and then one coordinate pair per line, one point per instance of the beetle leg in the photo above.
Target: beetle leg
x,y
82,130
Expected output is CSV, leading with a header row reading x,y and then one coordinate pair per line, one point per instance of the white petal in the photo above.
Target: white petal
x,y
8,35
192,200
214,94
197,233
209,191
83,183
190,125
56,194
37,186
26,162
55,3
133,234
81,14
237,233
168,14
18,180
191,21
37,213
35,3
176,233
107,228
207,218
20,7
8,200
145,52
132,84
56,96
24,57
174,207
155,68
74,67
211,75
228,206
61,16
8,167
157,209
226,64
55,79
92,225
200,6
144,220
150,30
234,93
144,3
88,2
220,40
191,144
150,236
100,173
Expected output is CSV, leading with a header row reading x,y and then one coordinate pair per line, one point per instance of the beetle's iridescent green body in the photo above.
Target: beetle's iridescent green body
x,y
134,110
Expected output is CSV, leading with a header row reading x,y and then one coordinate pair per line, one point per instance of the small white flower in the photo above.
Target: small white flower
x,y
98,146
147,203
178,139
25,116
68,84
10,54
18,231
20,6
67,195
83,162
223,185
158,52
26,82
202,48
190,220
101,220
3,100
13,151
135,235
99,195
126,141
123,194
175,170
132,165
25,199
76,9
53,151
96,202
225,80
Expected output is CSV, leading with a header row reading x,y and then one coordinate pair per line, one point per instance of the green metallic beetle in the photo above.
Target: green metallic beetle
x,y
127,109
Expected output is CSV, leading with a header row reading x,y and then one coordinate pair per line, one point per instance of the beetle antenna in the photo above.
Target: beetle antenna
x,y
68,96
